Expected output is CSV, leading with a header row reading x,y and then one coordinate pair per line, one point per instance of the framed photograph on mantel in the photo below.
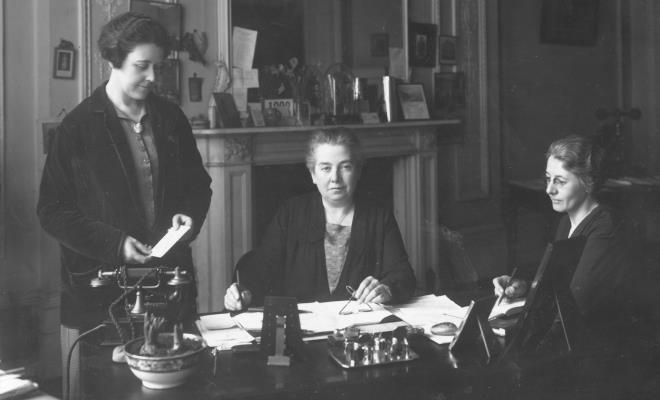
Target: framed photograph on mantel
x,y
449,97
413,102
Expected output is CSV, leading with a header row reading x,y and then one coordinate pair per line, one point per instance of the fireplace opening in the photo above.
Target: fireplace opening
x,y
274,184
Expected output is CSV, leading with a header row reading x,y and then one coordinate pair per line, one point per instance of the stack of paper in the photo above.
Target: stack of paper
x,y
220,331
426,311
12,386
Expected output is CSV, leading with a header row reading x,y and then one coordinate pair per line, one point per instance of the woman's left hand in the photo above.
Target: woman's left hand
x,y
183,220
372,291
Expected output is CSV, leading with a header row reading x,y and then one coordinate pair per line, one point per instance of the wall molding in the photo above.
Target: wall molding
x,y
2,130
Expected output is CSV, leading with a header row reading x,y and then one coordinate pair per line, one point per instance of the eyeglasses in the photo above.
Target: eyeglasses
x,y
351,292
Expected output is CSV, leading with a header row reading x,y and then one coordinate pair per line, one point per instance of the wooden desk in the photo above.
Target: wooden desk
x,y
245,376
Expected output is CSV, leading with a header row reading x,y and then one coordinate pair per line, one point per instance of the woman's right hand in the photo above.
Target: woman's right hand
x,y
237,298
511,288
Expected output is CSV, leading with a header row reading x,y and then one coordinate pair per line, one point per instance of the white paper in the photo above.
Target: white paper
x,y
426,311
245,78
243,44
225,334
171,237
397,61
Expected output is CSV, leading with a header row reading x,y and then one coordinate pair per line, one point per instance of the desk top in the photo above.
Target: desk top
x,y
246,375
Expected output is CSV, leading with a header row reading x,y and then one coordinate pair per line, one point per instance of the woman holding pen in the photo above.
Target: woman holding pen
x,y
573,177
320,243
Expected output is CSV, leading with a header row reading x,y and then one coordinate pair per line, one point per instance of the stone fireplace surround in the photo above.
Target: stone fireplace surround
x,y
230,155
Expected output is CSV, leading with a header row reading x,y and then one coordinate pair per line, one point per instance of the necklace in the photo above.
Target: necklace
x,y
138,127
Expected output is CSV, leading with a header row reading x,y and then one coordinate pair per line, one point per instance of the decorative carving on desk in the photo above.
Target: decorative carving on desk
x,y
238,149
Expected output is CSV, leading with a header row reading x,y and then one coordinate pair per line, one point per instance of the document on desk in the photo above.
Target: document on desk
x,y
220,331
426,311
325,316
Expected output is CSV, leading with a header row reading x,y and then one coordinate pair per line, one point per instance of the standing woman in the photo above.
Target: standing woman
x,y
574,174
319,243
121,169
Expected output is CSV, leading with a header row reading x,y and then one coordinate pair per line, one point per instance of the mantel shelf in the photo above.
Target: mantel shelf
x,y
355,127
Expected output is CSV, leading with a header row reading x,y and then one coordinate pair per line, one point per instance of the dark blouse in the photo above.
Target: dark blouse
x,y
598,284
290,261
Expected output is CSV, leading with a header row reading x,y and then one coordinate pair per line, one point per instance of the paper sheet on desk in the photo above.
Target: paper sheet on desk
x,y
426,311
325,317
321,317
219,330
171,237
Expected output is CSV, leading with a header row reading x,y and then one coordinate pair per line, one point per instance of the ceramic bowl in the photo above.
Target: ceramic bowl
x,y
164,372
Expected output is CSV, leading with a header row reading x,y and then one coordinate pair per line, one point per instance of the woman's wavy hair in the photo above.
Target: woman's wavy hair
x,y
126,31
583,157
338,136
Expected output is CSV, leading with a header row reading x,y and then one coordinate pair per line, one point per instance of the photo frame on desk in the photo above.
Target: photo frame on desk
x,y
550,298
475,335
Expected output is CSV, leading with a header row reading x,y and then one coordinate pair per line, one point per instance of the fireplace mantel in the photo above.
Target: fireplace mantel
x,y
230,154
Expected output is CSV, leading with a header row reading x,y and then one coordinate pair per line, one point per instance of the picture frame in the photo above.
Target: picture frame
x,y
569,22
64,63
422,44
412,101
380,43
449,93
168,82
170,15
447,50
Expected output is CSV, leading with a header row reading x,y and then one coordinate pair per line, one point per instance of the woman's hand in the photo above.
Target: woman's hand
x,y
237,298
183,220
372,291
511,288
135,252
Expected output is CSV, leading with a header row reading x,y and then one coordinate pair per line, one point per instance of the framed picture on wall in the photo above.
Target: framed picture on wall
x,y
447,50
421,44
64,61
569,22
380,44
168,14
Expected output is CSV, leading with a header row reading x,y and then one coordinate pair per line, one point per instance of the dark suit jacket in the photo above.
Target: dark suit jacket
x,y
88,199
290,261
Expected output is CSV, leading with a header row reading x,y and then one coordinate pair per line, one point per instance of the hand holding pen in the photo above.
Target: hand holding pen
x,y
509,286
237,297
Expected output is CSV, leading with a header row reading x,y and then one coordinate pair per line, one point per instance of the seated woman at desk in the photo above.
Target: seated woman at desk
x,y
573,174
319,243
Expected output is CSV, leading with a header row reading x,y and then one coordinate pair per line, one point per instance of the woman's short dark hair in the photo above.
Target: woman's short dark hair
x,y
126,31
339,136
581,156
